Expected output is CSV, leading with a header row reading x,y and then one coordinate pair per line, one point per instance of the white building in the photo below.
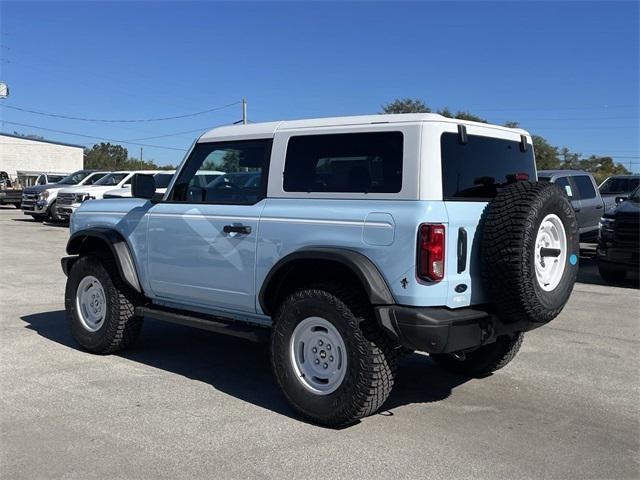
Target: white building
x,y
24,157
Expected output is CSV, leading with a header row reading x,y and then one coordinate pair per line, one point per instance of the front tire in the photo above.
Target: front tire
x,y
53,213
611,274
331,361
484,360
100,308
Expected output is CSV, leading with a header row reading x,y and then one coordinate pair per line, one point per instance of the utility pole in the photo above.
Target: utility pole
x,y
141,154
244,111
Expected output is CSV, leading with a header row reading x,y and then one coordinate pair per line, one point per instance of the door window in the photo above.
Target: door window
x,y
563,182
224,173
585,187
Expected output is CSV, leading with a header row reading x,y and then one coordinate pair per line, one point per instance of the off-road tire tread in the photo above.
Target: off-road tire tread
x,y
124,325
507,276
378,354
485,360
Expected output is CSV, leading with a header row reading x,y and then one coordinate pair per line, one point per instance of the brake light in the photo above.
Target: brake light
x,y
431,252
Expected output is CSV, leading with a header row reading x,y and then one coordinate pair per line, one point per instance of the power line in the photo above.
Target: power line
x,y
103,120
592,107
93,137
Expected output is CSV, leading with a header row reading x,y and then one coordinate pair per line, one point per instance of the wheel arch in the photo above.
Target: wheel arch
x,y
110,241
323,261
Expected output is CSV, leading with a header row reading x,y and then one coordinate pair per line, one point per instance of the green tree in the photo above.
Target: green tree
x,y
546,154
106,156
406,105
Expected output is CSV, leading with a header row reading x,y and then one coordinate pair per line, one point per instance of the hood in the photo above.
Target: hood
x,y
627,207
39,188
79,188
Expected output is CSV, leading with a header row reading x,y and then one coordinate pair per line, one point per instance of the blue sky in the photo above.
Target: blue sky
x,y
566,71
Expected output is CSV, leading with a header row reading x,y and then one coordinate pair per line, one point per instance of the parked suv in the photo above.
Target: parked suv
x,y
354,237
582,190
40,201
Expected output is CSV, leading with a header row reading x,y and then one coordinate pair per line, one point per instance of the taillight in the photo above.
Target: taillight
x,y
431,252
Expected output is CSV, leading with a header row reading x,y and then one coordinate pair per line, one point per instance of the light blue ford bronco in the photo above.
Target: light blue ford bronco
x,y
346,241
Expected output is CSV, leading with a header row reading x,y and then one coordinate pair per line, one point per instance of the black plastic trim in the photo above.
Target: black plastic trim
x,y
206,322
444,330
118,246
462,135
462,250
370,277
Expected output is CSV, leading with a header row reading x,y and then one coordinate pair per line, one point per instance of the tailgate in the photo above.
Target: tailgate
x,y
463,253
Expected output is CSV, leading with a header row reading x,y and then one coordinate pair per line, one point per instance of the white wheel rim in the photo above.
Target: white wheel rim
x,y
318,355
91,303
550,267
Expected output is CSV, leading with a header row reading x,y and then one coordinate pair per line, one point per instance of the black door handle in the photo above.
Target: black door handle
x,y
236,229
576,210
598,207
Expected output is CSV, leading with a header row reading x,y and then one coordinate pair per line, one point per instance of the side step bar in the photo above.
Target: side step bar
x,y
206,322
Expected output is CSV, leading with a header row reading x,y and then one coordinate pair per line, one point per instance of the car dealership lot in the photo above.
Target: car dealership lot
x,y
185,403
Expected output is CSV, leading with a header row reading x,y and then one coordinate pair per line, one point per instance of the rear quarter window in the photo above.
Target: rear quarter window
x,y
345,163
478,169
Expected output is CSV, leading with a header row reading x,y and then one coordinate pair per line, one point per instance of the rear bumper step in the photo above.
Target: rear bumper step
x,y
444,330
206,322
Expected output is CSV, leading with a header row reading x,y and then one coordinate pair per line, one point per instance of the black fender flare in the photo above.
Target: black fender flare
x,y
374,284
118,247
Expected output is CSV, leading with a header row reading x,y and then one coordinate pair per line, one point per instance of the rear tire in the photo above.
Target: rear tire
x,y
484,360
369,356
611,274
101,315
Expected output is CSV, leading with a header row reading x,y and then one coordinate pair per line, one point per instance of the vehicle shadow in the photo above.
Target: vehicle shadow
x,y
241,368
588,272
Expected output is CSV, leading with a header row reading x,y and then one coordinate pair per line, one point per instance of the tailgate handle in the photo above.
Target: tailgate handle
x,y
462,250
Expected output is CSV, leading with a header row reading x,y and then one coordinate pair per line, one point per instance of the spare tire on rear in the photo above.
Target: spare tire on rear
x,y
530,246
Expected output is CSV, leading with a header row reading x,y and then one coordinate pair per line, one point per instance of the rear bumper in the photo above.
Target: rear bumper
x,y
444,330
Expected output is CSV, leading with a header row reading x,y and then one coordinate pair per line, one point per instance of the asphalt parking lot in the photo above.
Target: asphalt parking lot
x,y
185,403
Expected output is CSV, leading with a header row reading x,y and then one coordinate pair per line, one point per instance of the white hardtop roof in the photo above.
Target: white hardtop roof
x,y
268,129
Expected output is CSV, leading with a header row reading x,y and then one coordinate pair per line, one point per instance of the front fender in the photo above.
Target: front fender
x,y
91,238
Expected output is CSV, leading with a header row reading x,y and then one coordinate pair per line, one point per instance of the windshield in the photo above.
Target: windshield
x,y
619,185
54,178
74,178
111,179
479,168
162,179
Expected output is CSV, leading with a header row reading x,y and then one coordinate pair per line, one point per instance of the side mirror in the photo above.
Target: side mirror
x,y
143,186
619,200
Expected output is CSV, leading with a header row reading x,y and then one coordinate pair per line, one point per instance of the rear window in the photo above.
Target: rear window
x,y
345,163
479,168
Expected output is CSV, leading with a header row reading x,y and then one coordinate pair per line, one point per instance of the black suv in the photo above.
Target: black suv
x,y
619,239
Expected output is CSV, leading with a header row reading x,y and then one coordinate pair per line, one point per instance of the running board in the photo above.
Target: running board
x,y
206,322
